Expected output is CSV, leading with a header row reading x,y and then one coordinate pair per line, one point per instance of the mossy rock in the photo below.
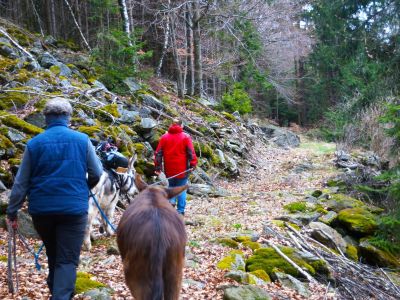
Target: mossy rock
x,y
268,259
228,116
338,202
233,261
15,122
336,183
298,206
7,64
262,275
56,70
252,245
316,193
351,252
13,99
375,256
145,167
89,130
20,35
358,221
5,143
228,242
242,238
112,109
84,283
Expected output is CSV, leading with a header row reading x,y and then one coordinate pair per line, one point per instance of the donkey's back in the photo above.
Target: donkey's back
x,y
151,238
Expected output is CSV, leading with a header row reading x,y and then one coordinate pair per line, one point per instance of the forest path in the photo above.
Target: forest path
x,y
282,176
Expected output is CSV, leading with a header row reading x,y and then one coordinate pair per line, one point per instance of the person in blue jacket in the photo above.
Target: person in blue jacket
x,y
58,168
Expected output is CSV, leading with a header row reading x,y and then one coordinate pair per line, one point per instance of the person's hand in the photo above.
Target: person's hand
x,y
157,172
13,223
192,168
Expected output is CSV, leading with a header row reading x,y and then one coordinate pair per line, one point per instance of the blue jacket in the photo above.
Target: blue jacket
x,y
53,172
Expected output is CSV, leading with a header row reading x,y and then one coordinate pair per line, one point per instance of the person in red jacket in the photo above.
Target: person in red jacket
x,y
175,149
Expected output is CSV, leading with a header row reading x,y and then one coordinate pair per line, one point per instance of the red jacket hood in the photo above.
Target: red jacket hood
x,y
175,129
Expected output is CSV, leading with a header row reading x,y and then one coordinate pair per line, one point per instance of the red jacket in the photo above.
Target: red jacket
x,y
176,149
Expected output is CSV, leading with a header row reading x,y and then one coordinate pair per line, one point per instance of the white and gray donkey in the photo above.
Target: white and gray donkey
x,y
107,193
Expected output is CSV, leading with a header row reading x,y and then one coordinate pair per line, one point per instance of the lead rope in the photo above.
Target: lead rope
x,y
158,182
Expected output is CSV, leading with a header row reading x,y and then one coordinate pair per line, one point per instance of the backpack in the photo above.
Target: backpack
x,y
110,157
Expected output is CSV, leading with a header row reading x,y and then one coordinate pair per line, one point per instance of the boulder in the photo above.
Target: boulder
x,y
358,221
7,50
152,101
300,218
35,83
328,218
14,135
128,116
205,189
232,167
268,259
233,262
25,225
246,292
3,200
146,125
98,294
377,257
47,60
327,236
280,136
246,278
132,85
292,283
342,155
36,119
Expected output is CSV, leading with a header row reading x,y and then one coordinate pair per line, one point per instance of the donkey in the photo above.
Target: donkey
x,y
151,238
107,193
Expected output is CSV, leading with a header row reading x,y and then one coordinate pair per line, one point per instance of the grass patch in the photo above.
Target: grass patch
x,y
319,147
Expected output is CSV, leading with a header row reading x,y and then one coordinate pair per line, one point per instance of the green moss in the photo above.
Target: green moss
x,y
139,148
351,252
358,221
14,161
228,242
84,283
211,119
15,122
56,70
89,130
262,275
21,36
267,259
278,223
228,116
13,99
242,238
231,261
316,193
320,266
6,64
5,143
23,76
296,206
3,258
112,109
252,245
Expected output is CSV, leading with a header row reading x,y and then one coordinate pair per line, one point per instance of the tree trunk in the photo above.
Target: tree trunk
x,y
125,19
179,79
189,50
165,44
77,25
198,72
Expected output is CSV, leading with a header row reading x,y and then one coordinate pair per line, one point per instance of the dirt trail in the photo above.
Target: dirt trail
x,y
283,176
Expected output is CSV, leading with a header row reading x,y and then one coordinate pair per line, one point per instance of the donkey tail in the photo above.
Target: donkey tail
x,y
157,257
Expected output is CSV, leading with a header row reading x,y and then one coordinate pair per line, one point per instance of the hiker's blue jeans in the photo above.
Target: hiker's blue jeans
x,y
180,200
62,236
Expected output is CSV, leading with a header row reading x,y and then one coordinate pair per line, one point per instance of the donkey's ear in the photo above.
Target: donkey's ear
x,y
140,184
172,192
131,162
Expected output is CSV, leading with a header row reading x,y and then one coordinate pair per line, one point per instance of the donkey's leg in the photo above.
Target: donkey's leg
x,y
173,276
109,212
87,244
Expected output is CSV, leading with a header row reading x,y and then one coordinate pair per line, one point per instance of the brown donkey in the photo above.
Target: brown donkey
x,y
151,238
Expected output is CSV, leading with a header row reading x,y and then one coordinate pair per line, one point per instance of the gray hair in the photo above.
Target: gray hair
x,y
58,106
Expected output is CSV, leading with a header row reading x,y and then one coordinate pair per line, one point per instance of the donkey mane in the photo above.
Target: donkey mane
x,y
151,238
